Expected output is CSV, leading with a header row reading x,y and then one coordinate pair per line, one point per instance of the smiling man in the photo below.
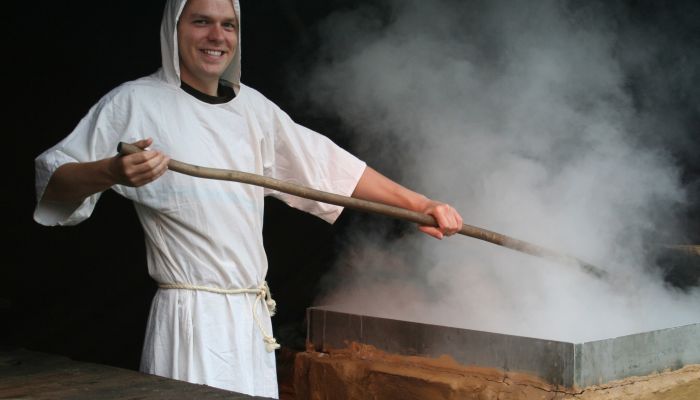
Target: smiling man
x,y
207,39
210,319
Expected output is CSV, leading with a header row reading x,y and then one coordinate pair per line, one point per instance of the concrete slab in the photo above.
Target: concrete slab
x,y
559,363
636,355
550,360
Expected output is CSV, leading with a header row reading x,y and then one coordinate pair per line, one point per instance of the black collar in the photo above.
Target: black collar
x,y
225,93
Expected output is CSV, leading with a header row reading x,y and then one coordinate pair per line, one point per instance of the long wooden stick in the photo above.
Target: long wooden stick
x,y
369,206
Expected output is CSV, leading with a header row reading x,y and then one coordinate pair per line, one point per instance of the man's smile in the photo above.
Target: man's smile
x,y
214,53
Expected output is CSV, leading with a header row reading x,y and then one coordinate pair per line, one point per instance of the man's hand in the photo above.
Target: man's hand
x,y
448,219
140,168
73,182
374,186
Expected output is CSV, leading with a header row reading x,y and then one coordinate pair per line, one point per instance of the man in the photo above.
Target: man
x,y
209,322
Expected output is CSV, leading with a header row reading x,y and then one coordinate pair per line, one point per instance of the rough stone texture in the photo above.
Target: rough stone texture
x,y
363,372
682,384
285,372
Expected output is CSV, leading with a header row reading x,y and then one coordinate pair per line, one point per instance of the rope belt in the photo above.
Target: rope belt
x,y
262,294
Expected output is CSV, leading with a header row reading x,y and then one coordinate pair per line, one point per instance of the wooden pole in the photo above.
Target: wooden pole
x,y
369,206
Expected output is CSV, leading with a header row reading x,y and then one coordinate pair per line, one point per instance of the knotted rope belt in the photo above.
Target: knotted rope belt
x,y
262,295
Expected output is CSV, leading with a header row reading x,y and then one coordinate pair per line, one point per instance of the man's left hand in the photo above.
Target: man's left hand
x,y
448,219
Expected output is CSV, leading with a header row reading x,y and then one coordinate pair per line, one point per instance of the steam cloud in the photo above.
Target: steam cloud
x,y
557,122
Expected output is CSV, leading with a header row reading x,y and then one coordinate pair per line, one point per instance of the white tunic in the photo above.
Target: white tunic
x,y
203,232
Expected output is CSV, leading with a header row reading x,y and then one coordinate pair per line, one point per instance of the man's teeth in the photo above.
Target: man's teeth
x,y
215,53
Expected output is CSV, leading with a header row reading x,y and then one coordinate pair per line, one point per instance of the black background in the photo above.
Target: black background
x,y
83,291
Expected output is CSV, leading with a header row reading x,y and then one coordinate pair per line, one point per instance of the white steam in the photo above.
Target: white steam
x,y
520,115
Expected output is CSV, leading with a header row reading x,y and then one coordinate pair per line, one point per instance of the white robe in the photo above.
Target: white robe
x,y
203,232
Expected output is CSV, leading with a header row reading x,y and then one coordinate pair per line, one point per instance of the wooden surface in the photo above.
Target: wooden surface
x,y
31,375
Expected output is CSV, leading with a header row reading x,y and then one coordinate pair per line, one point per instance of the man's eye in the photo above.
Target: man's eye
x,y
229,25
199,22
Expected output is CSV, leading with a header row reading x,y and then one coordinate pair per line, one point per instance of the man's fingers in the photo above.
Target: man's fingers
x,y
451,221
440,213
152,174
162,168
141,168
143,143
138,163
432,231
447,218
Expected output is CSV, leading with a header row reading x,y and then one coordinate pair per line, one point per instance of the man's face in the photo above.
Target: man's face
x,y
207,35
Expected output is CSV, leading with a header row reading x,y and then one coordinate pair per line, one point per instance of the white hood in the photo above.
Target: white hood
x,y
168,45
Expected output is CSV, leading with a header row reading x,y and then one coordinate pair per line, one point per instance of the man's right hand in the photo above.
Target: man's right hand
x,y
138,169
73,182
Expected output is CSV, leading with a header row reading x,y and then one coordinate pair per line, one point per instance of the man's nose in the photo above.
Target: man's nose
x,y
216,33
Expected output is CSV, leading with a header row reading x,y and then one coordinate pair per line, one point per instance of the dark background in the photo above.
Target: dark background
x,y
83,291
